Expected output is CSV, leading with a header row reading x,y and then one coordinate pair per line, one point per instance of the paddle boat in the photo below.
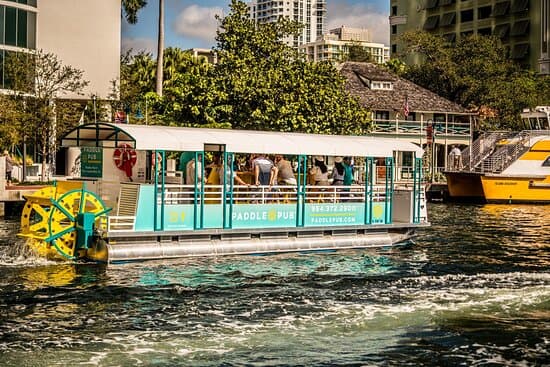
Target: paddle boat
x,y
506,167
129,202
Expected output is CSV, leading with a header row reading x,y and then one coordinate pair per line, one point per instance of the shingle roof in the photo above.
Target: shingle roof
x,y
419,99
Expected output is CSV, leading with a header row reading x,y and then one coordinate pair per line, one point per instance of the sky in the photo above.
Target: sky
x,y
192,23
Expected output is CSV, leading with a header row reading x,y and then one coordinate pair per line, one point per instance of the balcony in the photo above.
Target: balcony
x,y
419,128
398,19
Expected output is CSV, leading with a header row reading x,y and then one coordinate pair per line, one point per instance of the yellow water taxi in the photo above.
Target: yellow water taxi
x,y
505,166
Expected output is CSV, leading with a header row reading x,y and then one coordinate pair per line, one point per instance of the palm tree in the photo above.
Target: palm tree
x,y
160,49
131,8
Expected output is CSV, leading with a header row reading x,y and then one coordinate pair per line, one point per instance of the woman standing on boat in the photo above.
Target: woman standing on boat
x,y
319,172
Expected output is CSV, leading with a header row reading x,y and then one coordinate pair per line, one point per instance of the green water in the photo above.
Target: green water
x,y
473,290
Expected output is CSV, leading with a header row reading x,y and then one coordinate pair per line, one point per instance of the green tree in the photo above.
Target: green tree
x,y
38,80
265,84
130,10
358,53
477,73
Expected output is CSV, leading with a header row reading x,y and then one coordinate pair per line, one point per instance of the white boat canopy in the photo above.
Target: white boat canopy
x,y
168,138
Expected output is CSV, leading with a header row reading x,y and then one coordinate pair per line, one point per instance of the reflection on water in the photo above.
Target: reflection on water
x,y
473,290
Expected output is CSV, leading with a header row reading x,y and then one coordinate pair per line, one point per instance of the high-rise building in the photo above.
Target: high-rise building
x,y
522,25
335,45
82,34
311,13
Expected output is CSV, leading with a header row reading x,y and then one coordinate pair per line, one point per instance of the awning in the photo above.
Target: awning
x,y
448,19
430,4
520,28
177,139
520,5
431,22
501,9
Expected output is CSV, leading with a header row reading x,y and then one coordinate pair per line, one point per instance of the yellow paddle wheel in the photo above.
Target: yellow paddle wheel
x,y
59,221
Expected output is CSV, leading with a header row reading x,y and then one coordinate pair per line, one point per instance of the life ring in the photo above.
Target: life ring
x,y
125,158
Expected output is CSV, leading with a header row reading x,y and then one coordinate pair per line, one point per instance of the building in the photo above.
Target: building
x,y
311,13
406,111
82,34
335,45
204,53
522,25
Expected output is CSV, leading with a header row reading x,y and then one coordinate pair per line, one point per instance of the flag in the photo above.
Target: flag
x,y
81,121
406,107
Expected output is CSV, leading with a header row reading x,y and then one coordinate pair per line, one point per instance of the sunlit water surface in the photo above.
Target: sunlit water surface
x,y
473,290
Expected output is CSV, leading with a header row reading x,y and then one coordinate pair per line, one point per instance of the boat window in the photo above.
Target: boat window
x,y
546,163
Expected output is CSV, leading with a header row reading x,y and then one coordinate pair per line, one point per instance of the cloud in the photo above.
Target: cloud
x,y
197,22
359,16
139,44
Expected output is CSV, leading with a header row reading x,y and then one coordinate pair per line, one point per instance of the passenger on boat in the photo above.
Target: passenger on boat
x,y
338,172
319,172
190,172
285,174
265,172
348,178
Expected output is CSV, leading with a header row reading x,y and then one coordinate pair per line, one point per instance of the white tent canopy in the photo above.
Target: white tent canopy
x,y
154,137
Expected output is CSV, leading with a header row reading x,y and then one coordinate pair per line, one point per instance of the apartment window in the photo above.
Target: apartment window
x,y
502,31
450,37
1,69
382,115
411,117
2,11
484,31
393,49
393,29
394,10
520,5
431,22
446,2
17,27
430,4
520,28
501,9
520,51
466,15
466,34
448,19
10,32
484,12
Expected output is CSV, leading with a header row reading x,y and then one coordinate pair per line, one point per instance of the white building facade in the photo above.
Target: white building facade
x,y
334,46
311,13
82,34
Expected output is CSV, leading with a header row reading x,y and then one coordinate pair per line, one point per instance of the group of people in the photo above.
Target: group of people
x,y
342,172
265,171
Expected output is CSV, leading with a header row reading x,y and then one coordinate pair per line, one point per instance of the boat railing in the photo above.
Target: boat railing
x,y
507,152
473,157
213,194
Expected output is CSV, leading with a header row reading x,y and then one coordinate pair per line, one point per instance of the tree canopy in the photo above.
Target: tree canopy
x,y
259,82
477,73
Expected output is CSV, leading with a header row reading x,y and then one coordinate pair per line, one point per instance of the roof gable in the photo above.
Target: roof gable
x,y
419,99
